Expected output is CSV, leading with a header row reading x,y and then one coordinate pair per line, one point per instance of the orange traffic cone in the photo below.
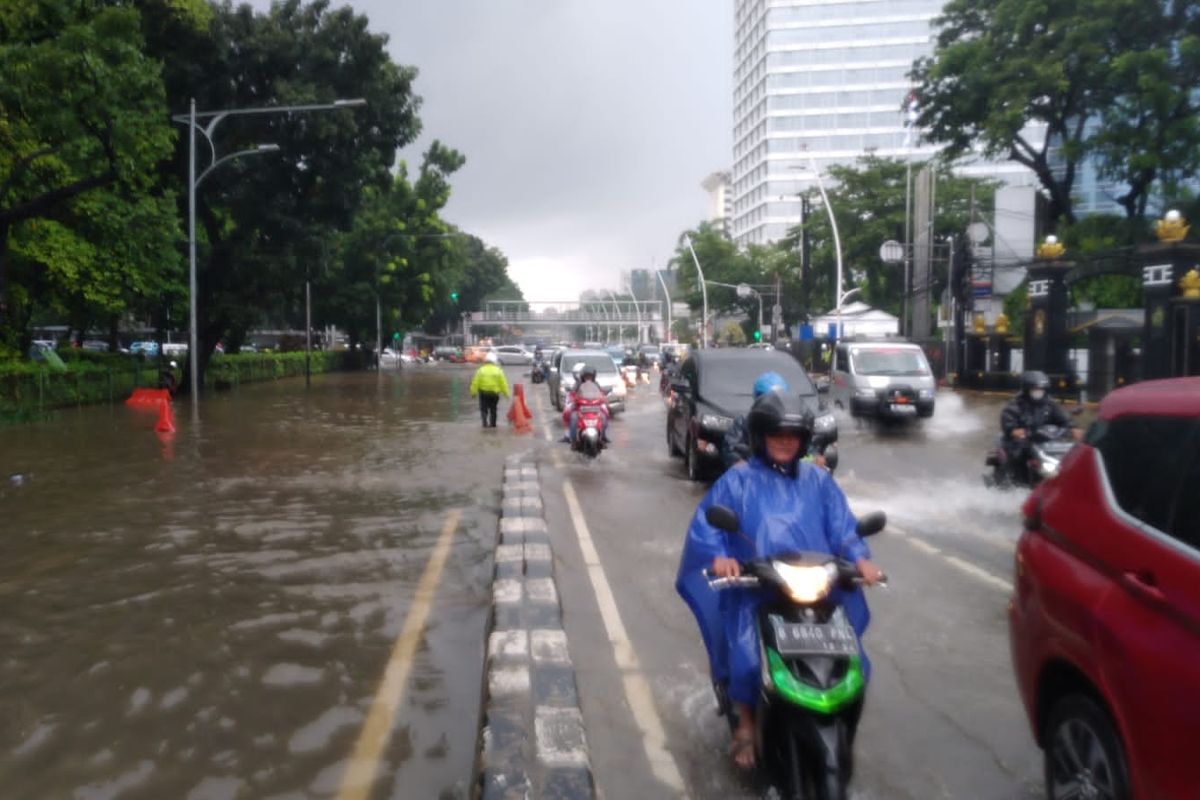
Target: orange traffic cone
x,y
166,418
518,413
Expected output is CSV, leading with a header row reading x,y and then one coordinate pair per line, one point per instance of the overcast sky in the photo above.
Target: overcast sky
x,y
587,126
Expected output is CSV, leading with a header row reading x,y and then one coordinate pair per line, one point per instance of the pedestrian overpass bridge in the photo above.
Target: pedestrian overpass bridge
x,y
595,320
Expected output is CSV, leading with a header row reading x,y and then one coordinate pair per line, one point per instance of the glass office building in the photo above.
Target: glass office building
x,y
824,80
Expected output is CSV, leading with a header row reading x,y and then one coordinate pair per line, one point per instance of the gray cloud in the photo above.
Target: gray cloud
x,y
587,126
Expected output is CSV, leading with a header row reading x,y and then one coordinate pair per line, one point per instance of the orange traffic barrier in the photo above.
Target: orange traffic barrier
x,y
148,398
518,413
166,418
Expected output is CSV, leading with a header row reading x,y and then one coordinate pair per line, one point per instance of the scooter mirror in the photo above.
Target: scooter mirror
x,y
723,518
871,524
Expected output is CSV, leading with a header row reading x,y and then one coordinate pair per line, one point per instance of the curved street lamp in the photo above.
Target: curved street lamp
x,y
208,131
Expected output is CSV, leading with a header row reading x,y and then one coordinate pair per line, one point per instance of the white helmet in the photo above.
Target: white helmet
x,y
491,358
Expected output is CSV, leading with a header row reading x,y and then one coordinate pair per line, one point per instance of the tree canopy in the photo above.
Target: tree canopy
x,y
1051,85
93,175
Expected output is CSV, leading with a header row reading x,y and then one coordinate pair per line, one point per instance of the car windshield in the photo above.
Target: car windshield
x,y
600,362
888,361
735,377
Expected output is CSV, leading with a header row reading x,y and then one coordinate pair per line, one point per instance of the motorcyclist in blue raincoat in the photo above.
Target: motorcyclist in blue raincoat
x,y
784,505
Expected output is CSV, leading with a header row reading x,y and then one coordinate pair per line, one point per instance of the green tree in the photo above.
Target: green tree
x,y
868,199
81,113
255,216
1000,65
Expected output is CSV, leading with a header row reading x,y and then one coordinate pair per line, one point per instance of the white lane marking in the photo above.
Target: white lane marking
x,y
962,565
637,689
359,777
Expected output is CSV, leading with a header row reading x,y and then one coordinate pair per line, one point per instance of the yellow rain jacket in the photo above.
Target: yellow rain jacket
x,y
489,378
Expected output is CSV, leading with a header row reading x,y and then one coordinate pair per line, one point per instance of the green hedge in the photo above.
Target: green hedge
x,y
30,389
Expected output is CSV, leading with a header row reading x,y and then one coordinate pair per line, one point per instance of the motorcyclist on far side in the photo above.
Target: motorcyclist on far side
x,y
785,506
587,390
1031,409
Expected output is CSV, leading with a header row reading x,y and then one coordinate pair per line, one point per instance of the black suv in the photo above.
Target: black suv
x,y
713,387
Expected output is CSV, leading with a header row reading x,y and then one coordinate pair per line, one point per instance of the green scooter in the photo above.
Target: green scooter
x,y
812,678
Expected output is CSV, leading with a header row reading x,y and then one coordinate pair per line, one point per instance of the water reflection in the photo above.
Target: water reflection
x,y
207,614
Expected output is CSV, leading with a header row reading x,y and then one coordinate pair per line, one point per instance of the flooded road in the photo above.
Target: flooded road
x,y
210,614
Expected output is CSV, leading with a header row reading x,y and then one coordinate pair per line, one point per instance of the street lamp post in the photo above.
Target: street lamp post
x,y
214,119
617,314
837,239
744,290
703,293
667,295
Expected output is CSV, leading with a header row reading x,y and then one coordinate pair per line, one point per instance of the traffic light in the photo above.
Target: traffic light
x,y
454,296
396,336
758,336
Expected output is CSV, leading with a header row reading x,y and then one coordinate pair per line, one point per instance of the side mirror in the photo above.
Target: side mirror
x,y
723,518
871,524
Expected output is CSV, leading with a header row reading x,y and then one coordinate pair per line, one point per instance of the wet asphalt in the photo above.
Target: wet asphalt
x,y
209,615
942,719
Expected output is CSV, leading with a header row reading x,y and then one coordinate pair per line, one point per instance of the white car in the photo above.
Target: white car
x,y
513,354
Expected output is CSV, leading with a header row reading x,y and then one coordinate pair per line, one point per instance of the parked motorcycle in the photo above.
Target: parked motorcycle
x,y
1047,446
813,683
589,427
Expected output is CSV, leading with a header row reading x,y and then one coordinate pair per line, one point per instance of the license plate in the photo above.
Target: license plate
x,y
591,423
901,408
836,638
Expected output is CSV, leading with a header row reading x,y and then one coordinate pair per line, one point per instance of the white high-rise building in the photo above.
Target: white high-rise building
x,y
825,80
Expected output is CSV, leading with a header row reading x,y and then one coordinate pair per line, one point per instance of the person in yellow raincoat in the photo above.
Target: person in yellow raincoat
x,y
488,384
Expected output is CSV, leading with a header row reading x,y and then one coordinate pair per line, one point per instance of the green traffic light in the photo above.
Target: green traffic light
x,y
454,296
396,335
758,336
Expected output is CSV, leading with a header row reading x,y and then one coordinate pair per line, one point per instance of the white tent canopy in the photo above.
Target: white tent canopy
x,y
859,319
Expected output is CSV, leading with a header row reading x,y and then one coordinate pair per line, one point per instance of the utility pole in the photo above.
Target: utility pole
x,y
805,260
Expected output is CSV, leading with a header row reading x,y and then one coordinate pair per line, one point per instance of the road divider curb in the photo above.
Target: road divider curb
x,y
531,742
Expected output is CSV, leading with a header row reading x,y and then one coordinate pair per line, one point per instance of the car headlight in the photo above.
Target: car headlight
x,y
824,423
806,584
865,391
716,422
926,394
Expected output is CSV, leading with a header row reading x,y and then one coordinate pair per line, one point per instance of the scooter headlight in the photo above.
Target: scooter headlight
x,y
806,584
1049,466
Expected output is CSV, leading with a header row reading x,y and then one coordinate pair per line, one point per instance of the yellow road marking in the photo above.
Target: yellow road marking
x,y
364,763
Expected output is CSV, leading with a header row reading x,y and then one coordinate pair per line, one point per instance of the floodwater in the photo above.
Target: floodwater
x,y
209,614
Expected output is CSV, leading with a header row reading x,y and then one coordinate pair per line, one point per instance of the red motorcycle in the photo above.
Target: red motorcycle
x,y
591,417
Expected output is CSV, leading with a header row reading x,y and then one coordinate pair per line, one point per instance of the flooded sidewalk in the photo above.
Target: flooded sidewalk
x,y
210,614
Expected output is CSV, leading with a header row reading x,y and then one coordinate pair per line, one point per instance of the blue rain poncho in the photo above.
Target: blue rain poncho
x,y
779,513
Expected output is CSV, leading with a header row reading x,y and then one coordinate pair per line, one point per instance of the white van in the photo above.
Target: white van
x,y
882,379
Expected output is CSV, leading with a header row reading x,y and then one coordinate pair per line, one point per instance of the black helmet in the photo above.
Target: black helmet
x,y
776,412
1034,379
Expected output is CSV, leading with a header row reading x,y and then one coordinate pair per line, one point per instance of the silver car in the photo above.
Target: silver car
x,y
883,380
513,354
560,381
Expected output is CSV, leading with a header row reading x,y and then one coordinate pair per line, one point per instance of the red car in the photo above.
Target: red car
x,y
1104,623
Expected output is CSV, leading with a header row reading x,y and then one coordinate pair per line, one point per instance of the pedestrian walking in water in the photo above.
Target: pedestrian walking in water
x,y
488,384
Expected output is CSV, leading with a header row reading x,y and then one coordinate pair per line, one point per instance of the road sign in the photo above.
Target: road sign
x,y
891,252
776,312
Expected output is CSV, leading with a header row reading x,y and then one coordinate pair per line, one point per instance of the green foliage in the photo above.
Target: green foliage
x,y
1110,79
731,334
82,132
868,199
